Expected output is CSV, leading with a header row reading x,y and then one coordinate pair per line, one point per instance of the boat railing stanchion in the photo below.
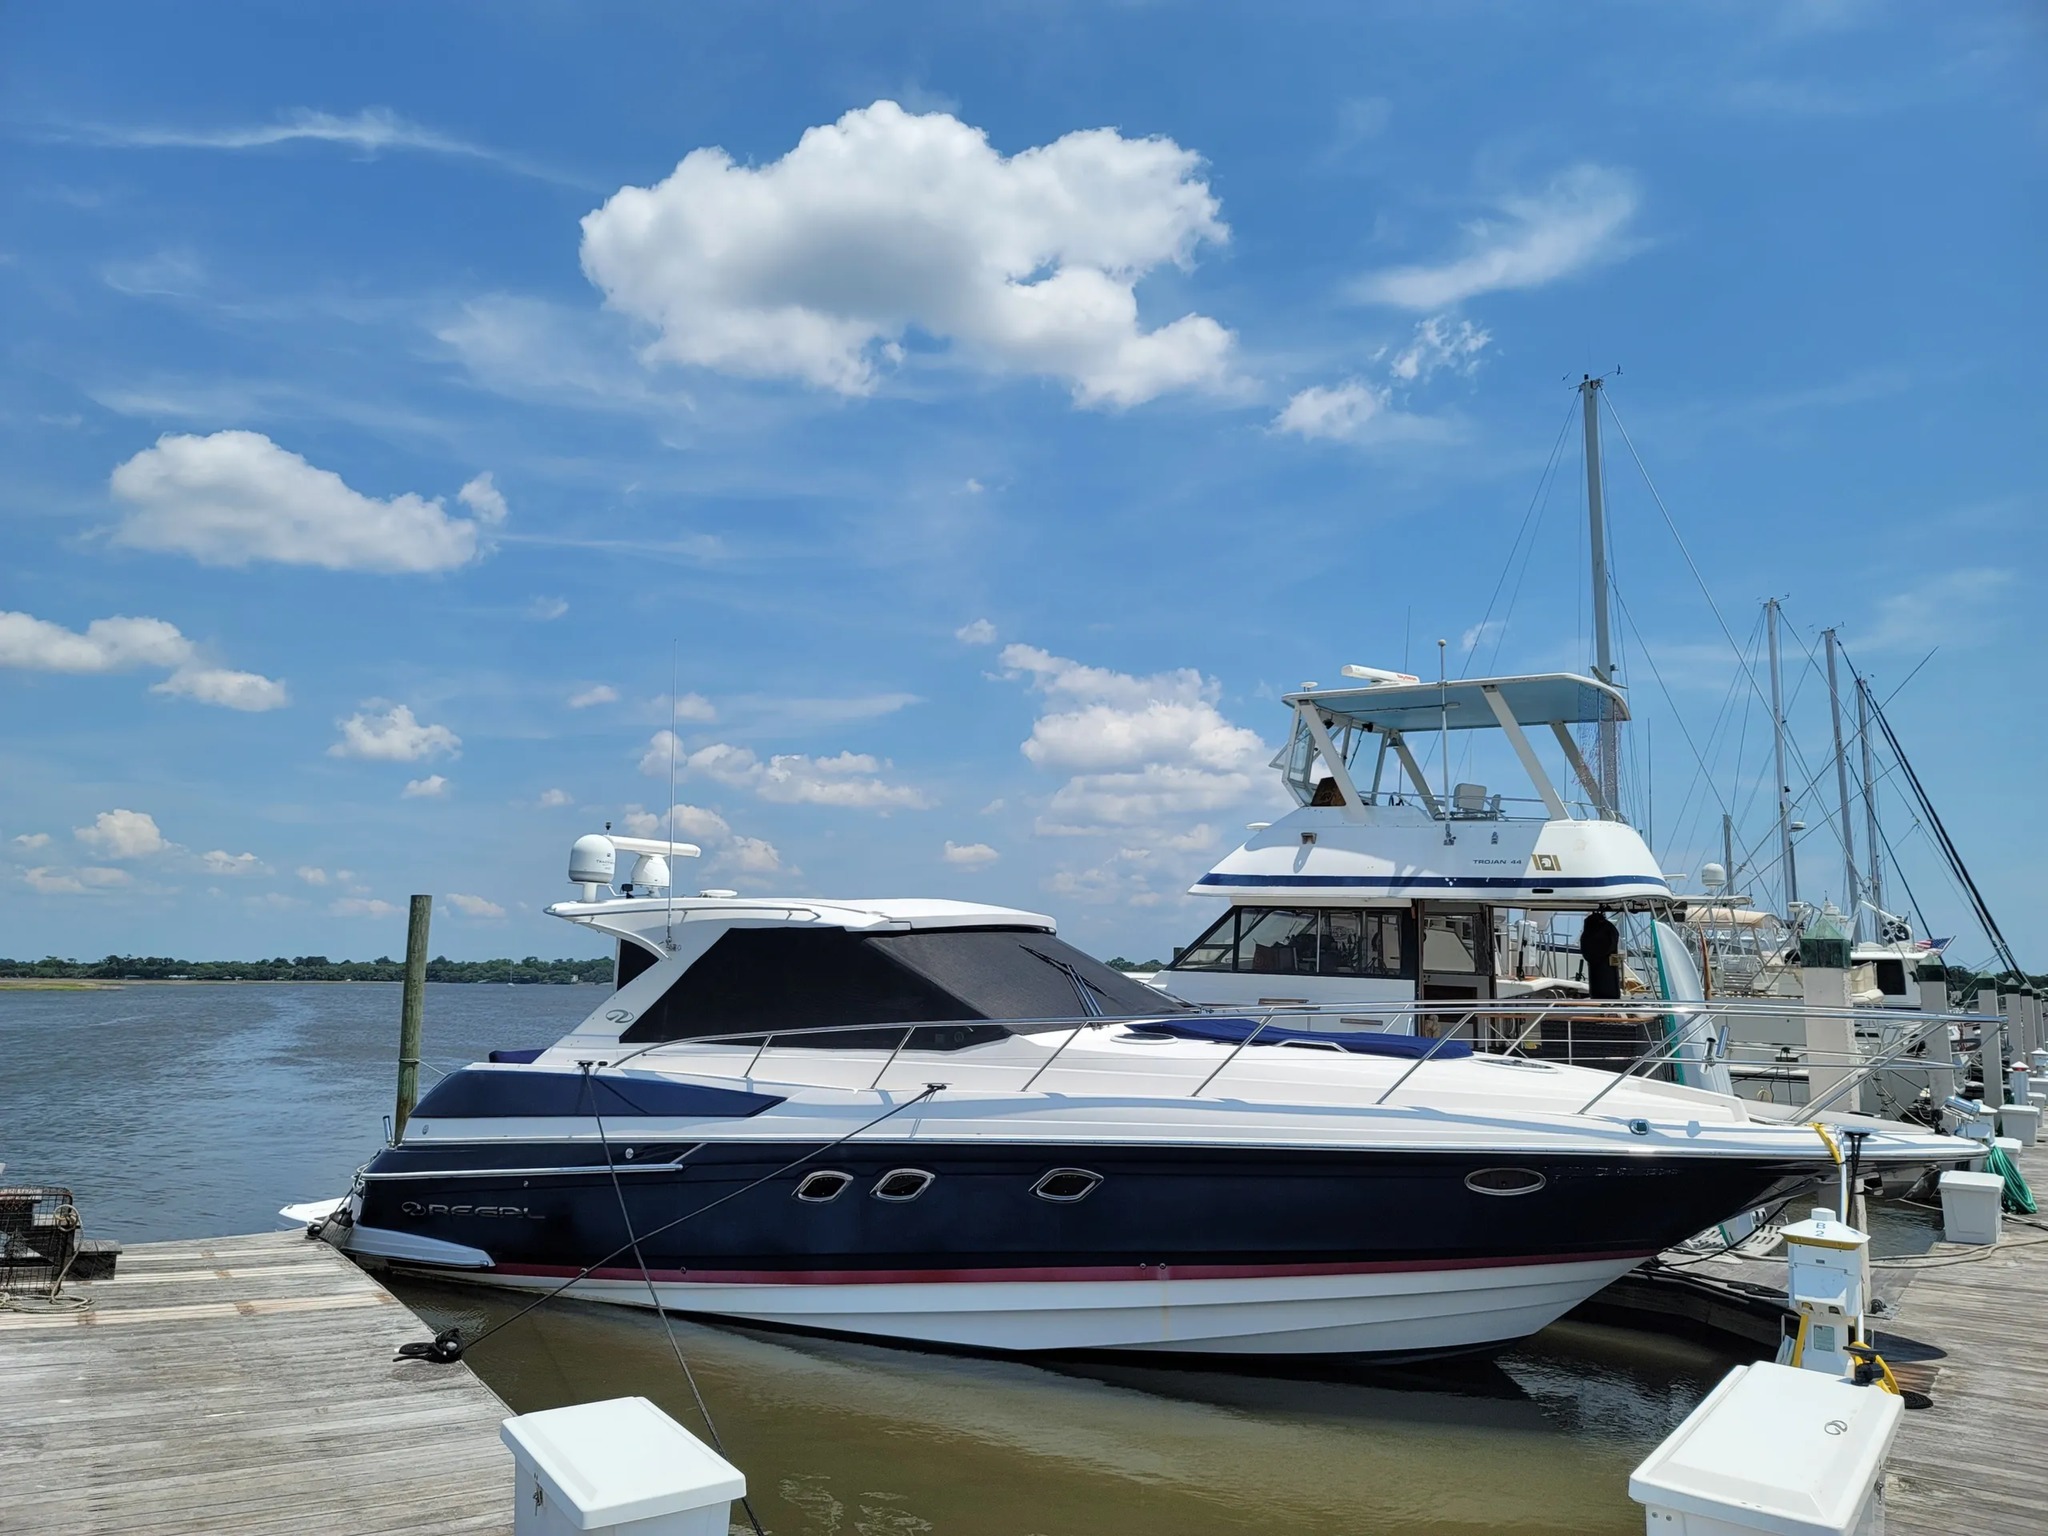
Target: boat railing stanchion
x,y
1072,1035
892,1058
1226,1061
759,1051
1441,1042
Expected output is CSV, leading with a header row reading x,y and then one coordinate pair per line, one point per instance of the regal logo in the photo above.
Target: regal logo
x,y
435,1208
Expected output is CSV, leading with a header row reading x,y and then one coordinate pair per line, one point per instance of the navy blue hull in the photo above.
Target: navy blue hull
x,y
1186,1212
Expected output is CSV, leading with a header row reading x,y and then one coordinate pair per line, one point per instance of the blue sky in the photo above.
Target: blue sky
x,y
987,411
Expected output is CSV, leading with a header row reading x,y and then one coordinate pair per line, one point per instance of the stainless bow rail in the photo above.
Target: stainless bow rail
x,y
1679,1032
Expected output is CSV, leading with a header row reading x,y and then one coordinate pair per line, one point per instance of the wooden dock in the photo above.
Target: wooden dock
x,y
241,1384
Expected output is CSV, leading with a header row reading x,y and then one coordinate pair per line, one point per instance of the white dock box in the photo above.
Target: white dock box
x,y
622,1467
1773,1450
1972,1207
2021,1121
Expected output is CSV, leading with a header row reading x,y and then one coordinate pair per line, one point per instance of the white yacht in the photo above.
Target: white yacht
x,y
935,1122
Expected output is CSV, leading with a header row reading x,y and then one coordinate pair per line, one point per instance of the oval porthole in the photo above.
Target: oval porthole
x,y
902,1184
1505,1181
823,1185
1066,1185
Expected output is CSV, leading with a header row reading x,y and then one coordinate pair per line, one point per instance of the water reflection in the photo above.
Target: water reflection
x,y
841,1436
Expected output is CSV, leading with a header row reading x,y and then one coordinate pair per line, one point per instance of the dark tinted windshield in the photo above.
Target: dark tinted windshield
x,y
813,978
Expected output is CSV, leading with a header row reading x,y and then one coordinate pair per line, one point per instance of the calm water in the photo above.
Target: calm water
x,y
182,1111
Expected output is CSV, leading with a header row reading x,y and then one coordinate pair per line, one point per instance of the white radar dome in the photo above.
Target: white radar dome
x,y
1713,876
592,860
650,873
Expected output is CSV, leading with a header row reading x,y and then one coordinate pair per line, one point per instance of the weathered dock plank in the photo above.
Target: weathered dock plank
x,y
241,1384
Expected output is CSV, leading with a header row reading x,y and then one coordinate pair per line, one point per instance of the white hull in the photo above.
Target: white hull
x,y
1393,1313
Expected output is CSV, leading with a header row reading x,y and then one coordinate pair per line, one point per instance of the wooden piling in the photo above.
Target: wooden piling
x,y
417,924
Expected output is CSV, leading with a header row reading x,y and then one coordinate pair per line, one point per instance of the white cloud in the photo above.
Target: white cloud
x,y
394,736
547,609
1575,222
474,906
482,496
1341,413
118,644
75,882
33,840
230,690
969,854
122,834
1479,634
236,497
724,849
848,779
1140,751
980,632
361,906
1439,343
311,875
370,131
433,787
815,267
221,862
108,645
551,798
597,693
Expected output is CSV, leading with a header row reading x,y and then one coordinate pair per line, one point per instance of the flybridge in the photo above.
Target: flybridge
x,y
1333,724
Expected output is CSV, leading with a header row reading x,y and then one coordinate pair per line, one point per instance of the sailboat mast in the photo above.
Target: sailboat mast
x,y
1608,753
1874,886
1842,790
1778,752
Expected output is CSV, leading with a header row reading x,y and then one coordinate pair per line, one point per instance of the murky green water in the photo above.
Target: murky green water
x,y
187,1111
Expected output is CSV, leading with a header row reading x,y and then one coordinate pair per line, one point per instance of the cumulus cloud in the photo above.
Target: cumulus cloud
x,y
980,632
361,906
221,862
311,875
724,848
552,798
33,840
122,834
1341,413
547,609
969,855
848,779
1579,220
1139,751
74,882
121,644
237,497
815,267
230,690
596,693
474,906
394,736
433,787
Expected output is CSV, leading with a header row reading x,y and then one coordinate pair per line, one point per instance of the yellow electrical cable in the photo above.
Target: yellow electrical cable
x,y
1828,1138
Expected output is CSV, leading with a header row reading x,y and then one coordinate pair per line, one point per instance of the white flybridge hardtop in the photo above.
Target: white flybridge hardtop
x,y
1384,886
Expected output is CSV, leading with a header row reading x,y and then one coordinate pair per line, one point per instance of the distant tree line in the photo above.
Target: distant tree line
x,y
530,971
1121,964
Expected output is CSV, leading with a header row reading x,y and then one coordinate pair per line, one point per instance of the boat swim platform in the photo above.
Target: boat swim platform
x,y
241,1384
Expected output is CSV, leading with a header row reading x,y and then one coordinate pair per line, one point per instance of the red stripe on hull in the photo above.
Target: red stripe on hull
x,y
1125,1272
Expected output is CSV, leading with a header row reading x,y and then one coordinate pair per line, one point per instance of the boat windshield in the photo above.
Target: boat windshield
x,y
816,978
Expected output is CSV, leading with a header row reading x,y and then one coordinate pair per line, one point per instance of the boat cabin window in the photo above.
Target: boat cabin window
x,y
958,980
633,959
1304,941
1891,977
